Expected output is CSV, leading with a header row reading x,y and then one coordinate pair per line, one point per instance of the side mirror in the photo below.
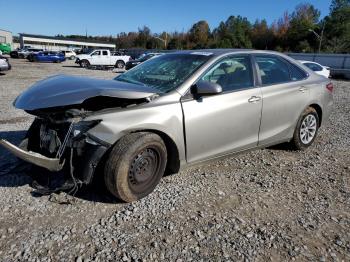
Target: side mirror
x,y
206,88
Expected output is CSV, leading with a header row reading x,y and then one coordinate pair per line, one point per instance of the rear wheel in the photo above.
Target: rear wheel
x,y
135,166
306,129
120,64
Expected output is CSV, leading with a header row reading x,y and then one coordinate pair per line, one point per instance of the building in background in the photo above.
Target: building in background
x,y
6,37
59,43
6,41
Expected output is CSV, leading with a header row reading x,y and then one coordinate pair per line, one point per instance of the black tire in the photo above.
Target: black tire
x,y
122,174
120,64
85,63
297,142
72,57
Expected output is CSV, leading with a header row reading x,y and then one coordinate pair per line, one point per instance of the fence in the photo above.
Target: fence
x,y
338,63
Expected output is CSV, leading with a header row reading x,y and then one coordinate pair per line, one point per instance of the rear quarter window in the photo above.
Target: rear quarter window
x,y
314,67
297,73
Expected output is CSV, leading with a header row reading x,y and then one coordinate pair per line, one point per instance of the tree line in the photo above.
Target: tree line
x,y
298,31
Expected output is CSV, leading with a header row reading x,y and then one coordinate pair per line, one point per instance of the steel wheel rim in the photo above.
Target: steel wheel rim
x,y
143,169
308,129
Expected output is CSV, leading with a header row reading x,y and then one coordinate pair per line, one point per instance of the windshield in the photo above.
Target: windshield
x,y
166,72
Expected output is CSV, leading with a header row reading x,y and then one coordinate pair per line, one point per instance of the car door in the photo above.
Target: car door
x,y
95,58
106,59
45,56
285,96
222,123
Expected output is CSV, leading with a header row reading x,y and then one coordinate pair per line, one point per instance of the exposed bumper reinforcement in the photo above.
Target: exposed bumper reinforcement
x,y
52,164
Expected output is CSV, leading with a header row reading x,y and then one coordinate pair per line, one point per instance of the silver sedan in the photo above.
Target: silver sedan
x,y
170,112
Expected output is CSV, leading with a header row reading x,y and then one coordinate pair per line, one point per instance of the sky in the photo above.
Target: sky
x,y
108,17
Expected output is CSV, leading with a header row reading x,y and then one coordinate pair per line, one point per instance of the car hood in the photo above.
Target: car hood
x,y
64,90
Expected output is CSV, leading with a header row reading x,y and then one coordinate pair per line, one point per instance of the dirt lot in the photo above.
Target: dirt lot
x,y
271,204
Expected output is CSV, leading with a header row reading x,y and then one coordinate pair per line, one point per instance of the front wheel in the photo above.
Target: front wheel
x,y
306,129
84,63
135,166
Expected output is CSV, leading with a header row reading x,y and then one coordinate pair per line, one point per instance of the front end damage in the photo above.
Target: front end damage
x,y
62,145
58,140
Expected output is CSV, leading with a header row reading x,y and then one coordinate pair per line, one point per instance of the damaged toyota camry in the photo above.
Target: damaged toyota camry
x,y
176,110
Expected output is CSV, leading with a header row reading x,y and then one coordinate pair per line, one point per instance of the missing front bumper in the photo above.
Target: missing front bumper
x,y
52,164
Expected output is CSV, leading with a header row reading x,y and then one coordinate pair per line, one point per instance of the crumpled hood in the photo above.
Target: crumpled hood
x,y
64,90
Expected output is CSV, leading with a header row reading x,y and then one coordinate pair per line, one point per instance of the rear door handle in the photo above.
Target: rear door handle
x,y
302,89
254,99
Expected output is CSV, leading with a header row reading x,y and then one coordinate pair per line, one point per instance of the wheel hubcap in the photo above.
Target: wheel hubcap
x,y
308,129
143,168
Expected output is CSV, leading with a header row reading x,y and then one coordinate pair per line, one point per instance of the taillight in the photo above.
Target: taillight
x,y
330,87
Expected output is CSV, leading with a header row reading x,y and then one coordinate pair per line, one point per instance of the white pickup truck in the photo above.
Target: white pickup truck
x,y
102,57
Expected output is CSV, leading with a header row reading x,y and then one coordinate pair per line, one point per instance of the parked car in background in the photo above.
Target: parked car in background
x,y
47,56
4,64
317,68
25,52
5,48
69,54
132,63
14,53
102,57
169,112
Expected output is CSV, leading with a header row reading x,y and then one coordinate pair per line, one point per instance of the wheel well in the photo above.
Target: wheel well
x,y
173,163
120,61
318,110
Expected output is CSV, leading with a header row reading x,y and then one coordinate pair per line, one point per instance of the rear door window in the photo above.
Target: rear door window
x,y
272,70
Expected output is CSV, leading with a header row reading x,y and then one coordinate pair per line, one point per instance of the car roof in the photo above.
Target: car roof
x,y
215,52
224,51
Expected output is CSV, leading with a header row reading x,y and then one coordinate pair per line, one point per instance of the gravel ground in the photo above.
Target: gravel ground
x,y
271,204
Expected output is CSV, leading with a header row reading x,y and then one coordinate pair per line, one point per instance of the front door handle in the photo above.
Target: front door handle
x,y
302,89
254,99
